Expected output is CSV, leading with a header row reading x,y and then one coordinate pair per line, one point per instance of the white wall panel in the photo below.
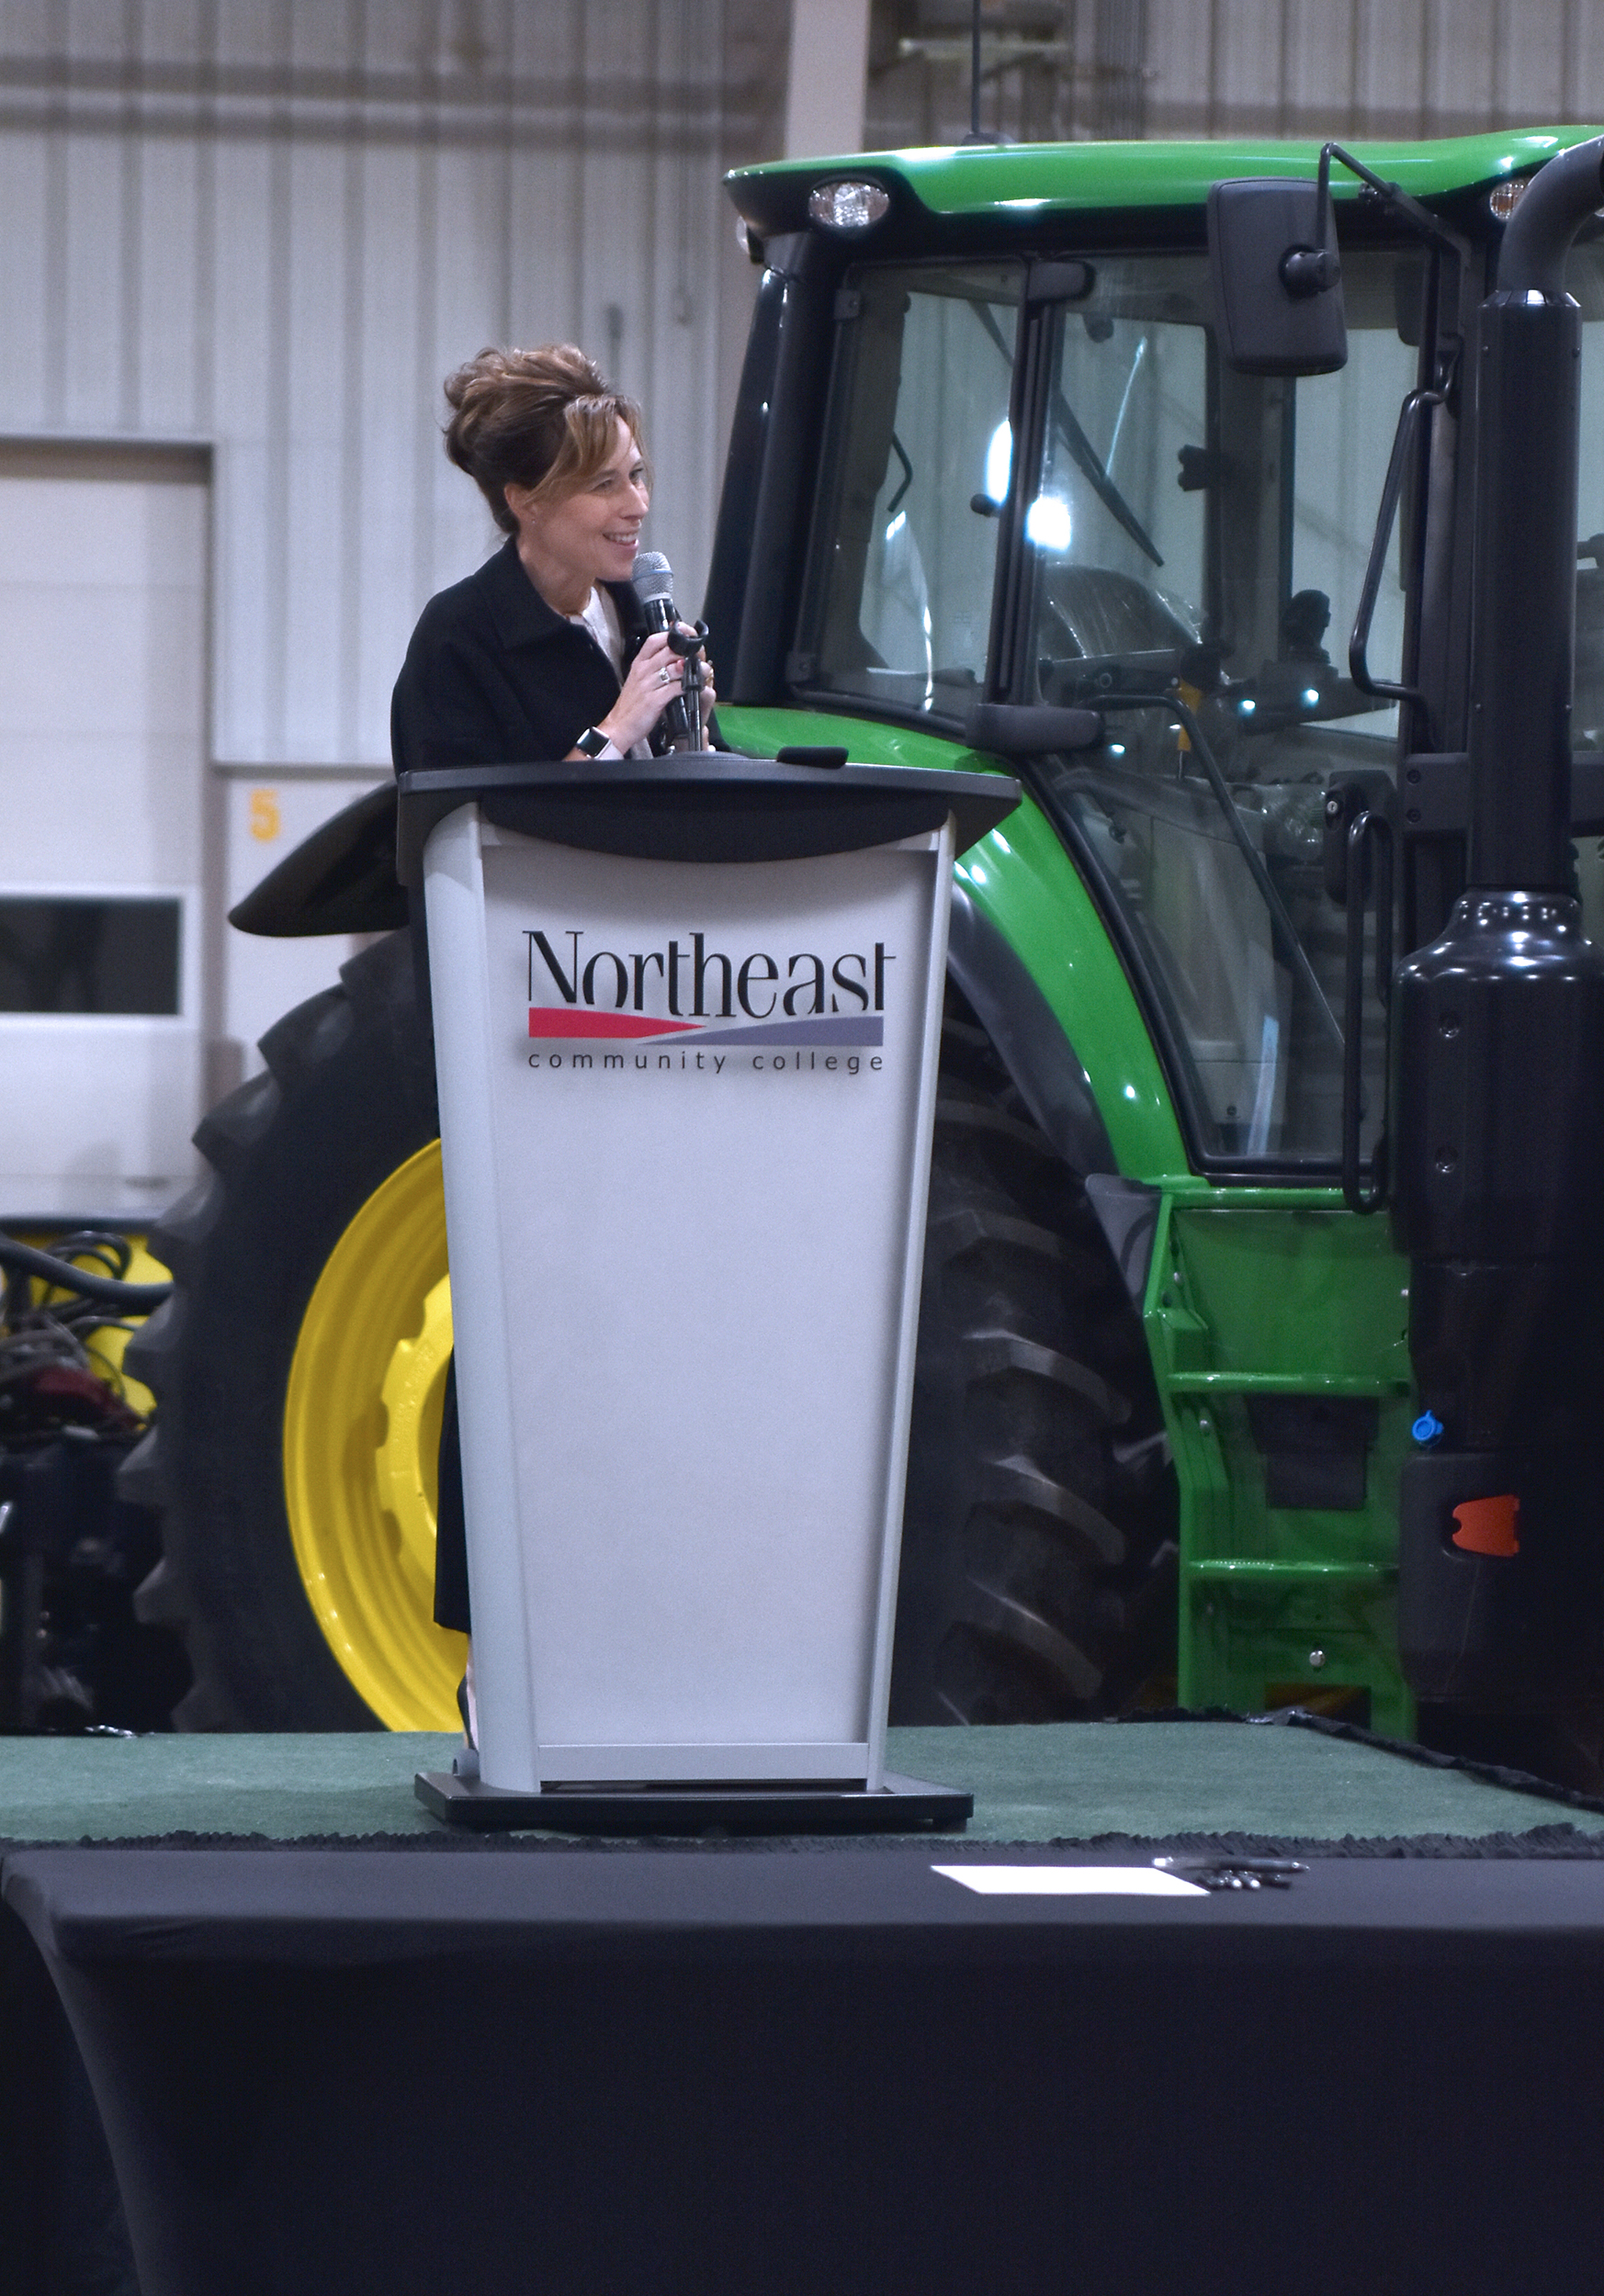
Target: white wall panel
x,y
102,714
1316,68
262,817
1404,68
273,227
98,1113
23,275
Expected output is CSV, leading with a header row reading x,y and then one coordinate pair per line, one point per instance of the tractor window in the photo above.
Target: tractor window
x,y
1116,526
1585,280
1181,530
1205,534
904,543
1342,441
1192,522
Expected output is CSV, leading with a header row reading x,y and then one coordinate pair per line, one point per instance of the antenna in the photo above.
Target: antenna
x,y
977,134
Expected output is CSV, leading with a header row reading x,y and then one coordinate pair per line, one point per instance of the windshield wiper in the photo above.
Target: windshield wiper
x,y
895,504
1081,447
1085,455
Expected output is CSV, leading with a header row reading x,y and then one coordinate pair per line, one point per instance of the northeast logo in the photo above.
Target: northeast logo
x,y
740,1002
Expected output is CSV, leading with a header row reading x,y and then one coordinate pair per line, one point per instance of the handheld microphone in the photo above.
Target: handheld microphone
x,y
654,586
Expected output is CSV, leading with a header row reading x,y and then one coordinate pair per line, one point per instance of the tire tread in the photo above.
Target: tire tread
x,y
294,1151
1038,1545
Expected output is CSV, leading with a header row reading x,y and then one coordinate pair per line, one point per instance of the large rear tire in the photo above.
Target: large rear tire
x,y
299,1366
1038,1559
312,1626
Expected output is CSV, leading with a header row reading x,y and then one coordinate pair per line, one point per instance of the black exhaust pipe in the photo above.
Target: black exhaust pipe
x,y
1497,1086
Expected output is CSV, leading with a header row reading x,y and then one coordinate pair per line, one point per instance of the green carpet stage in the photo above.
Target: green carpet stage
x,y
338,2050
1147,1781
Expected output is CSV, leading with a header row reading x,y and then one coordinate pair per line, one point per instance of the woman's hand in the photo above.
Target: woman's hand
x,y
653,679
649,686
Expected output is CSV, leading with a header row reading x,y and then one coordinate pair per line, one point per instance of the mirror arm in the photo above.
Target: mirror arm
x,y
1311,270
1430,227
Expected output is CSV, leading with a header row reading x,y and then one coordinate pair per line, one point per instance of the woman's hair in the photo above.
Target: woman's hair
x,y
541,419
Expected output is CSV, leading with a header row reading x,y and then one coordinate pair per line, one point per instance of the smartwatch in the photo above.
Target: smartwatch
x,y
592,741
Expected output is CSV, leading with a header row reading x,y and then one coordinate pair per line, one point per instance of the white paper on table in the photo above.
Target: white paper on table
x,y
1070,1880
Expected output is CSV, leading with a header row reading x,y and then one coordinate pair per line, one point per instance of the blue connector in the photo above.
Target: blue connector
x,y
1427,1430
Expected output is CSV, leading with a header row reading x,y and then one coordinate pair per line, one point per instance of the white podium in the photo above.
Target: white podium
x,y
687,1017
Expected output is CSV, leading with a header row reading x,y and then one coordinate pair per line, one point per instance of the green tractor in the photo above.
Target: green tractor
x,y
1082,462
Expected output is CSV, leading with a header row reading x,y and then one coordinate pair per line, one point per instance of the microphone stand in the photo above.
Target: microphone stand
x,y
688,646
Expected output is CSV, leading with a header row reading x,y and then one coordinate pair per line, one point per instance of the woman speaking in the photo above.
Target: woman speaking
x,y
544,653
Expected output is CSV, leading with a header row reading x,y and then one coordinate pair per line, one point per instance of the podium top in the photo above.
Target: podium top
x,y
704,806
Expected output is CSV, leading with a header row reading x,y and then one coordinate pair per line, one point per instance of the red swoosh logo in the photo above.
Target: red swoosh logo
x,y
567,1021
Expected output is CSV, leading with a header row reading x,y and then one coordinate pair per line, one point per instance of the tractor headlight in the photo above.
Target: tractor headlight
x,y
848,204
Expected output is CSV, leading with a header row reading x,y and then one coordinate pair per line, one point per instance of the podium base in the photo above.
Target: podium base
x,y
901,1805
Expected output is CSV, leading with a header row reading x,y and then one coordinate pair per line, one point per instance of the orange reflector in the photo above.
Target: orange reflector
x,y
1486,1526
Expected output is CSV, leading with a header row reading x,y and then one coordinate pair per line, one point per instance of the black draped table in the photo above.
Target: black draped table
x,y
829,2069
431,2068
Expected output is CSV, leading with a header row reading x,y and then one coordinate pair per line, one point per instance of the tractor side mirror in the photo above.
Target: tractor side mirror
x,y
1276,280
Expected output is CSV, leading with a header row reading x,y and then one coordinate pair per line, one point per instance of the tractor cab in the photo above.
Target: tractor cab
x,y
1041,480
1175,531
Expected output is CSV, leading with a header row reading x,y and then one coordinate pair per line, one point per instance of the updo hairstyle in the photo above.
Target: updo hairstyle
x,y
542,419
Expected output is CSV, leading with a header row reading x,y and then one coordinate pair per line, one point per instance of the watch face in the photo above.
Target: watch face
x,y
592,742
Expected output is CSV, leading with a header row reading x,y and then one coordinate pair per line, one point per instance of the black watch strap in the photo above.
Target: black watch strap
x,y
592,741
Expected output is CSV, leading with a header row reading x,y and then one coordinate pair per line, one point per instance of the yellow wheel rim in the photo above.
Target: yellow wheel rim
x,y
361,1443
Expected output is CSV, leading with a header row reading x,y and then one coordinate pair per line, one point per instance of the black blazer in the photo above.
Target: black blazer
x,y
494,675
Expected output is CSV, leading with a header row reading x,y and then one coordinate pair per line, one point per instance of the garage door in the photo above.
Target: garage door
x,y
103,565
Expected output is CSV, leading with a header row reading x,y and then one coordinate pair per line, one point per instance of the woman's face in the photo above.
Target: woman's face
x,y
590,537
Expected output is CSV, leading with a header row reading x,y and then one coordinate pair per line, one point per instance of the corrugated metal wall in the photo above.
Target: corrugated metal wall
x,y
1314,68
274,226
1370,67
